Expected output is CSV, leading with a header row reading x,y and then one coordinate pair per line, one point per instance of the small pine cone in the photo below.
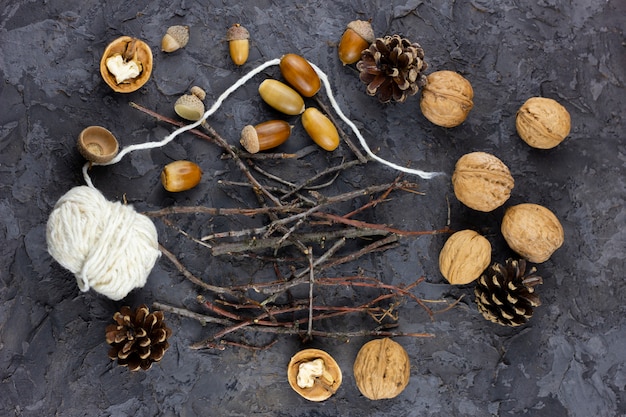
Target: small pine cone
x,y
393,68
138,338
505,294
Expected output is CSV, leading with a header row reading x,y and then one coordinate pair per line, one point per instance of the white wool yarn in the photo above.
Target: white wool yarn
x,y
107,245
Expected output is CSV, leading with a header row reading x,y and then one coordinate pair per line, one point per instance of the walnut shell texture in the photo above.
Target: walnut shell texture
x,y
129,48
320,391
382,369
532,231
542,122
446,98
481,181
464,256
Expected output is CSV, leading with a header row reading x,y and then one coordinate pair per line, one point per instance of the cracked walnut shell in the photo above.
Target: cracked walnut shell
x,y
464,256
446,98
126,64
482,181
532,231
542,122
314,374
382,369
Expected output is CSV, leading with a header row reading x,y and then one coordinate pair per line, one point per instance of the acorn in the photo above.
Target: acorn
x,y
175,37
281,97
238,43
358,36
266,135
180,176
190,106
320,129
300,74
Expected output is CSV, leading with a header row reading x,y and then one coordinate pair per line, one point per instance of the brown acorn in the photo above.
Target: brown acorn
x,y
180,176
300,74
357,37
238,43
266,135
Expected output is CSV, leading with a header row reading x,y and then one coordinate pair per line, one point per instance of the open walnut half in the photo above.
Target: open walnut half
x,y
314,374
126,64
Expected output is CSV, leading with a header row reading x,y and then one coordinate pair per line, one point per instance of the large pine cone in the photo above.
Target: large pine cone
x,y
139,338
392,67
505,294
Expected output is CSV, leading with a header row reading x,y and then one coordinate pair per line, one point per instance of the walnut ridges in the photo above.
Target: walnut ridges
x,y
542,122
482,181
382,369
464,256
532,231
446,98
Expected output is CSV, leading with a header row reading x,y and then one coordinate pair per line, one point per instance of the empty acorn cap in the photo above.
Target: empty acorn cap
x,y
97,144
175,37
189,107
328,383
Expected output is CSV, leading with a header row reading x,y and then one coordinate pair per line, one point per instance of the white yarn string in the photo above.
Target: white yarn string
x,y
335,105
233,88
108,246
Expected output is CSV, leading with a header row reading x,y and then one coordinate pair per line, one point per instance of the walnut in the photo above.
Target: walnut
x,y
482,181
314,374
465,255
542,122
126,64
532,231
382,369
446,98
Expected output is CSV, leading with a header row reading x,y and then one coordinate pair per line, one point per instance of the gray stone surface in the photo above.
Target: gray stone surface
x,y
569,360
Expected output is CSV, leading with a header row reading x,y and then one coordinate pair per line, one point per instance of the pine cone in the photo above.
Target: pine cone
x,y
505,294
138,338
393,68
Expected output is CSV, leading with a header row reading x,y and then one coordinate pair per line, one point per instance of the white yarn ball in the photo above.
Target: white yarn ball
x,y
107,245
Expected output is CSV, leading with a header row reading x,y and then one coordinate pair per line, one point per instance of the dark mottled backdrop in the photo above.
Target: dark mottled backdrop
x,y
569,360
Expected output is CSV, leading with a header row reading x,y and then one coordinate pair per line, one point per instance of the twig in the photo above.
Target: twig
x,y
311,281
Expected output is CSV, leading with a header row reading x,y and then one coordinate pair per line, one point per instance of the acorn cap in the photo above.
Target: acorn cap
x,y
250,139
237,33
97,144
175,37
364,29
130,49
189,107
319,391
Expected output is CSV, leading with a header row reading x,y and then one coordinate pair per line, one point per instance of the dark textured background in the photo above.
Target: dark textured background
x,y
568,361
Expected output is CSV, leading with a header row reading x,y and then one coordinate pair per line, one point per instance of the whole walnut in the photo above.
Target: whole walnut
x,y
464,256
382,369
542,122
532,231
446,98
482,181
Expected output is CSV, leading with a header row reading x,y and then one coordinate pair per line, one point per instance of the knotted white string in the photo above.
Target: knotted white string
x,y
109,246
